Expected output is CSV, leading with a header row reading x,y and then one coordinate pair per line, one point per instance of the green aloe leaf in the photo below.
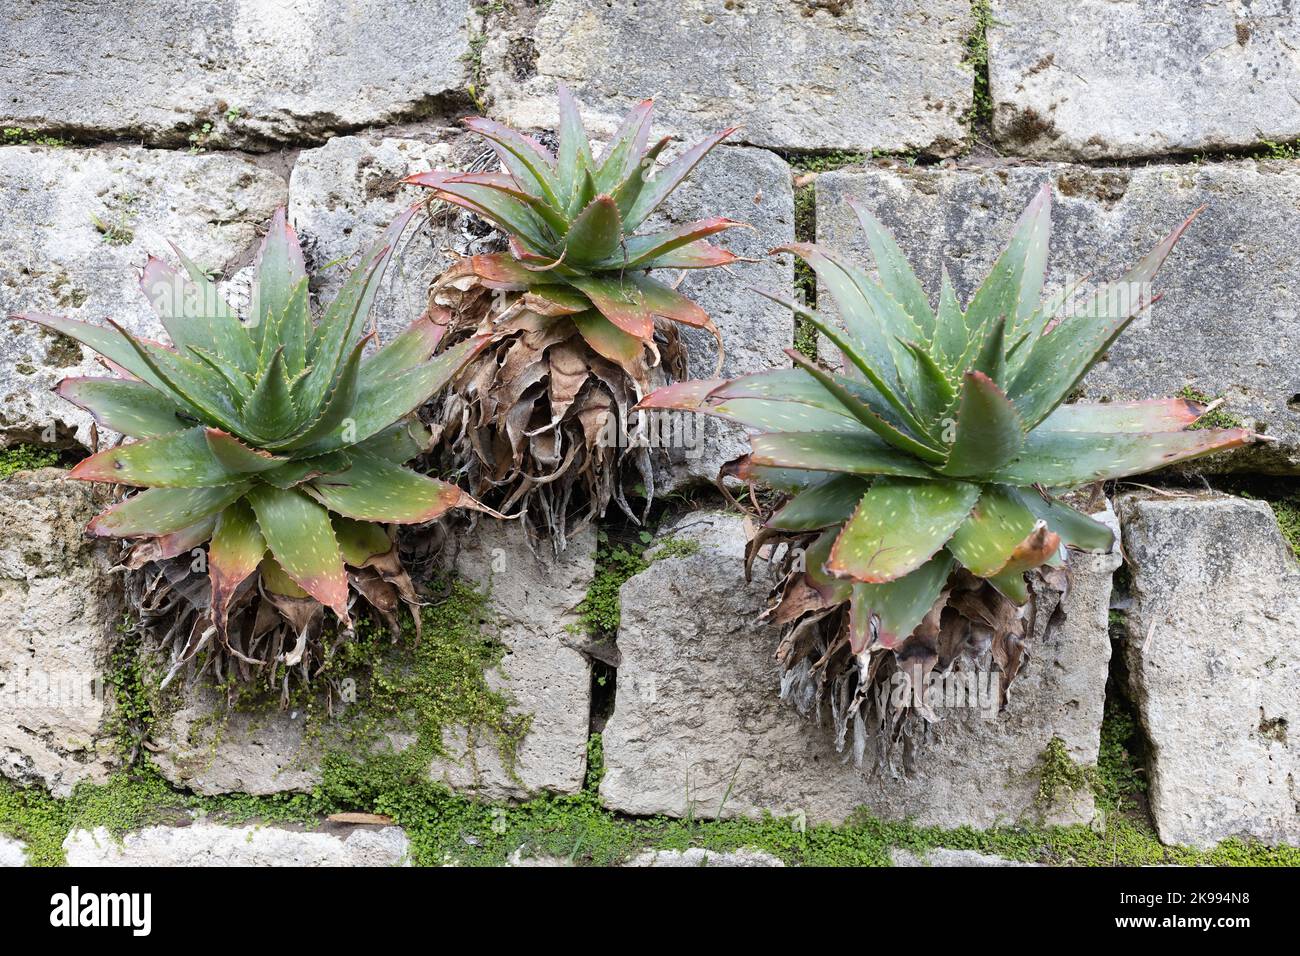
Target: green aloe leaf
x,y
637,252
135,409
895,272
606,338
195,316
359,541
235,552
237,457
900,605
179,460
399,442
620,301
270,412
279,268
1158,415
656,190
987,431
112,343
1068,459
374,489
1015,284
996,526
295,472
898,526
160,511
950,334
831,502
594,235
1075,529
574,152
301,539
526,159
833,451
619,160
231,338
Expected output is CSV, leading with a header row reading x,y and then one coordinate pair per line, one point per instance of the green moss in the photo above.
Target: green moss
x,y
16,136
825,161
1267,149
1058,774
617,559
24,458
1118,780
1218,418
1284,498
977,59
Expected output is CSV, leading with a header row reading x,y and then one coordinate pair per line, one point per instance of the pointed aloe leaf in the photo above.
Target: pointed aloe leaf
x,y
898,526
834,451
866,415
278,268
276,581
295,329
1157,415
553,300
987,352
594,235
413,347
235,552
900,605
669,303
235,456
606,338
987,431
1075,529
112,343
629,190
1064,355
638,251
239,384
179,460
996,526
935,392
756,414
619,159
132,408
230,336
337,408
270,412
657,189
193,315
301,539
466,186
512,213
1015,283
796,385
895,272
574,154
359,541
950,333
374,489
526,159
696,255
815,558
831,502
161,511
1068,459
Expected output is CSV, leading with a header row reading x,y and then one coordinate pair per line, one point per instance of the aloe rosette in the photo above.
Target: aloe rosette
x,y
578,312
925,478
276,440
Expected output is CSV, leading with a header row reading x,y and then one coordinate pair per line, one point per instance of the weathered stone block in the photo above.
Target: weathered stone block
x,y
798,75
58,613
82,223
1229,321
1214,667
12,852
175,72
698,727
210,844
706,858
210,750
942,857
1095,79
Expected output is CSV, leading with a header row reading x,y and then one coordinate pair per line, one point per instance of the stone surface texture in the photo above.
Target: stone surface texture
x,y
82,223
226,73
946,858
210,844
1229,321
698,727
797,75
59,610
12,852
1094,79
704,858
1214,667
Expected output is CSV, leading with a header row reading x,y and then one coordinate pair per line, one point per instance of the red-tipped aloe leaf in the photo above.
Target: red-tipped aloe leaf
x,y
898,526
374,489
1067,459
621,302
899,606
301,539
235,552
529,161
606,338
278,268
179,460
1036,550
237,457
574,151
1158,415
160,511
1075,529
637,252
656,190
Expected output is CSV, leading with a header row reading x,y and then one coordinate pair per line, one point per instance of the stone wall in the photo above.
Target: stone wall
x,y
169,120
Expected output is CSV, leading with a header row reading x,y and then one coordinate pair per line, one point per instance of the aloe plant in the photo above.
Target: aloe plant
x,y
275,440
926,477
579,319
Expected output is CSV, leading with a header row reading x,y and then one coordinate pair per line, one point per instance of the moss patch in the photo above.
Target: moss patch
x,y
25,458
1218,418
976,58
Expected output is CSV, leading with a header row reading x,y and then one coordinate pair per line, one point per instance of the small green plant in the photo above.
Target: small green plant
x,y
1215,415
273,440
26,458
977,59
